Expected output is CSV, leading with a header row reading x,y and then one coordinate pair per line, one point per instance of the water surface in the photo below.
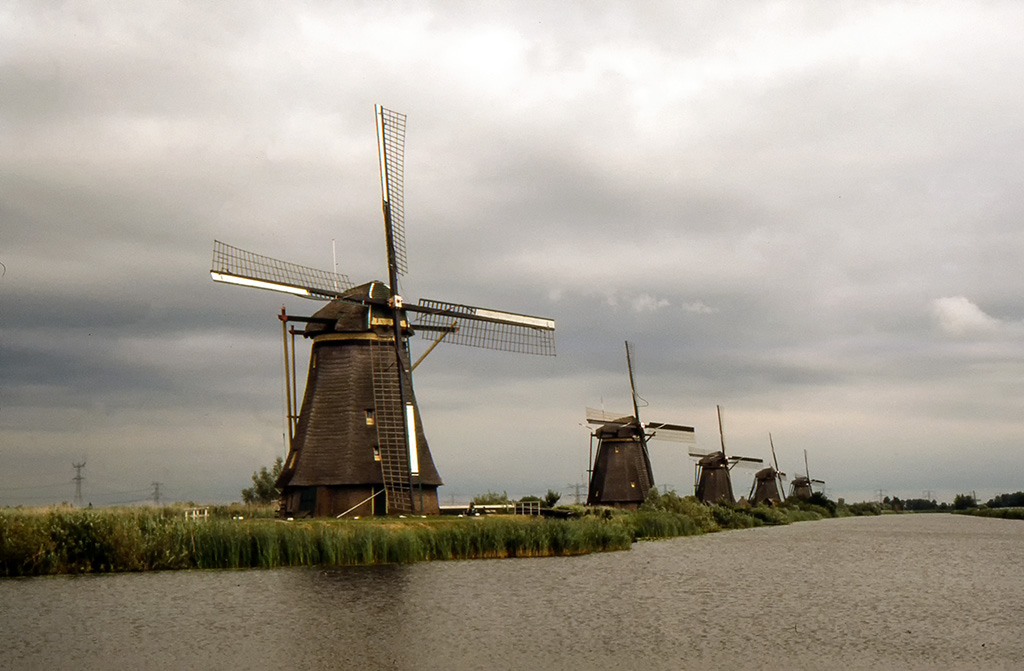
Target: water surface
x,y
891,592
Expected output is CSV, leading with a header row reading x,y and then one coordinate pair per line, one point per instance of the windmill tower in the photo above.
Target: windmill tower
x,y
357,444
621,475
802,485
711,479
767,486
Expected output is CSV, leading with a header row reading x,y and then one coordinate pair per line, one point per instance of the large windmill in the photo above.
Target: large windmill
x,y
802,485
357,443
767,486
711,481
621,475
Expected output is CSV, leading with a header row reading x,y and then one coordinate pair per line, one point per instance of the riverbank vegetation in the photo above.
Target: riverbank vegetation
x,y
1001,506
63,540
67,540
1000,513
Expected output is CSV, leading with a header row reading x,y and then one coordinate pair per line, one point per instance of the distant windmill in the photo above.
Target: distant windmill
x,y
621,475
357,443
768,486
712,483
802,485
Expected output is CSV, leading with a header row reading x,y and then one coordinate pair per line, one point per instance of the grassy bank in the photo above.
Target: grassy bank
x,y
142,539
66,540
1001,513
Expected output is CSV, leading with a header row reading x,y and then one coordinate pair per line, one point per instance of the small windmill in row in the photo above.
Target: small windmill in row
x,y
768,482
802,486
711,478
357,443
621,475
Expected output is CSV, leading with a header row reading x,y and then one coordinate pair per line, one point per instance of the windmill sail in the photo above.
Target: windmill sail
x,y
487,328
237,266
595,416
396,445
391,149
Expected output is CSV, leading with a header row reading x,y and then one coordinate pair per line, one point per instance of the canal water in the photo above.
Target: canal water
x,y
894,592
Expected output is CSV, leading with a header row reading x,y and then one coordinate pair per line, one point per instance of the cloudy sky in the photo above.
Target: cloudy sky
x,y
808,213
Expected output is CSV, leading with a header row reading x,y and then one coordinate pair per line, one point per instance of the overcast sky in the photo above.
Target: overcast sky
x,y
808,213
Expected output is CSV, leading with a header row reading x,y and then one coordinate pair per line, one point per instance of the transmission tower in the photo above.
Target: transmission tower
x,y
78,482
156,493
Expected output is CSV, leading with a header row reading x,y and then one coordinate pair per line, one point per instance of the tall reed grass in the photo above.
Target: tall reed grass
x,y
65,540
139,539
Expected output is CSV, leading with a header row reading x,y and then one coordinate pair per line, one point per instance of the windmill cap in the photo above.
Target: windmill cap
x,y
714,459
347,313
627,429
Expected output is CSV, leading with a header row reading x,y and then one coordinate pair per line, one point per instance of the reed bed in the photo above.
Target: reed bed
x,y
96,541
67,540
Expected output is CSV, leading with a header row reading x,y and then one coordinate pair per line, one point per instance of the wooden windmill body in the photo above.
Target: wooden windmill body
x,y
712,473
802,486
329,469
357,444
621,475
767,487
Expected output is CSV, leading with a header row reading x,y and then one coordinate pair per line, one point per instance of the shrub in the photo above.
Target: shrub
x,y
770,515
728,517
688,506
865,508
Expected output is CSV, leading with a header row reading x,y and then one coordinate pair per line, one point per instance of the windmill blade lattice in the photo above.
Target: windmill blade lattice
x,y
595,416
489,329
391,139
674,433
746,462
237,266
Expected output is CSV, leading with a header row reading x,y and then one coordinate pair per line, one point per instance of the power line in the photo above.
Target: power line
x,y
18,489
